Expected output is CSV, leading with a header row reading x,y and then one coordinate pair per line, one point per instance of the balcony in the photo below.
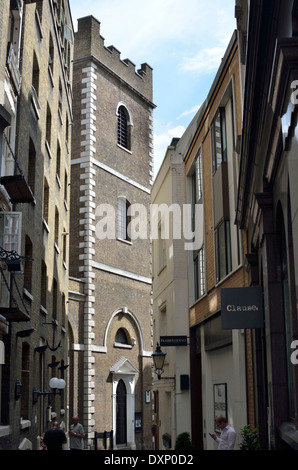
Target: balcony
x,y
17,188
16,185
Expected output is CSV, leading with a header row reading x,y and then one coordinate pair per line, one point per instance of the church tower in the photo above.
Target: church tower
x,y
110,279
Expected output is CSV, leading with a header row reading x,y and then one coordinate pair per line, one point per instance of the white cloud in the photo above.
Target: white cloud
x,y
161,142
143,30
188,112
206,61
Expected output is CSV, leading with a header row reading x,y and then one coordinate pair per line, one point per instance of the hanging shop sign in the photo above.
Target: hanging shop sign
x,y
242,307
173,341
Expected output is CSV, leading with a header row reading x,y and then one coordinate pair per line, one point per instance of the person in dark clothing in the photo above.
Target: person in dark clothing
x,y
54,438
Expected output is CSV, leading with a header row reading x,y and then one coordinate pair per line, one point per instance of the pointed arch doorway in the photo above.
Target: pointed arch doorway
x,y
121,413
124,403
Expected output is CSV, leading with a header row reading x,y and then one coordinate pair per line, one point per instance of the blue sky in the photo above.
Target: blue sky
x,y
182,40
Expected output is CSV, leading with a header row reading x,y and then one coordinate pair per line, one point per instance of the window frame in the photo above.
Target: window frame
x,y
123,219
124,125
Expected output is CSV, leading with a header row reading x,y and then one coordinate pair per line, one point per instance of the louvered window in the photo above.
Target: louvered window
x,y
123,128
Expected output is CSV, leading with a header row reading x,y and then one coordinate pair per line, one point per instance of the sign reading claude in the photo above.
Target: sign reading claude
x,y
242,307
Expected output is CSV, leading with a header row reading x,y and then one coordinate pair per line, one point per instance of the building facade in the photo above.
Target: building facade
x,y
35,170
170,299
110,306
267,206
219,361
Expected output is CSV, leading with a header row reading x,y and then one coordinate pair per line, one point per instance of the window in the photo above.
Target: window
x,y
51,56
35,76
223,264
55,299
48,126
46,191
121,336
60,97
162,254
123,218
197,185
199,273
58,162
31,166
25,380
65,187
43,285
28,265
63,311
64,246
67,130
124,125
219,139
10,231
198,255
56,227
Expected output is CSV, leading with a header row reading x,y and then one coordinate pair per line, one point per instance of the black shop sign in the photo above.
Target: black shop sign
x,y
242,307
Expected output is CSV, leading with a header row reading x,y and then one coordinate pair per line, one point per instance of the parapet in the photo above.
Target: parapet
x,y
90,43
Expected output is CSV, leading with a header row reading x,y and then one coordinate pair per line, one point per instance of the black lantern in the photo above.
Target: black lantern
x,y
159,359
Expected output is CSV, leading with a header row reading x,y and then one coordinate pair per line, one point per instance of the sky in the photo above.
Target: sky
x,y
182,40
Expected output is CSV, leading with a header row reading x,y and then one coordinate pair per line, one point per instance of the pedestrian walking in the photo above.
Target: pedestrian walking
x,y
54,438
227,439
76,434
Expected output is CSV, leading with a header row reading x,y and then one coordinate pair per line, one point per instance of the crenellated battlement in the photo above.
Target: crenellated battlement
x,y
89,42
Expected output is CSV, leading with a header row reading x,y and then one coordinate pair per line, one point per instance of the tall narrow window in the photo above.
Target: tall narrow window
x,y
64,246
199,273
43,285
65,187
55,298
123,218
67,129
197,186
198,255
219,139
35,75
48,126
63,311
58,162
25,380
124,128
162,254
28,265
51,55
223,261
60,99
46,192
31,166
56,227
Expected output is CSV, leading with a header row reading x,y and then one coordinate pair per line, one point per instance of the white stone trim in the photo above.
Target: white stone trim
x,y
121,272
87,218
83,160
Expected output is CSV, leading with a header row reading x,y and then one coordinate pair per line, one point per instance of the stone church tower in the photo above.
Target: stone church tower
x,y
110,278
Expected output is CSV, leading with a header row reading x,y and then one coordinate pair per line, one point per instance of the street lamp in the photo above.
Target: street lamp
x,y
57,385
158,359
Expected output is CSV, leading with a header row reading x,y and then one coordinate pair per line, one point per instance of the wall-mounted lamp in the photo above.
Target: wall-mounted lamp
x,y
18,389
57,385
159,359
